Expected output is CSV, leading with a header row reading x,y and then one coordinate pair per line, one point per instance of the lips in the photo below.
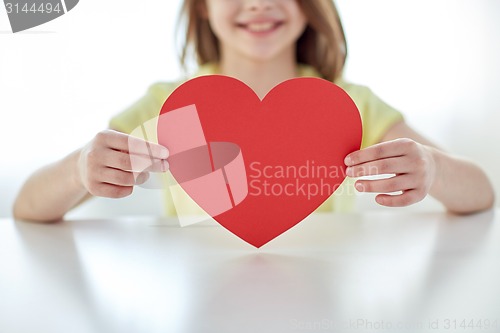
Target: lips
x,y
260,26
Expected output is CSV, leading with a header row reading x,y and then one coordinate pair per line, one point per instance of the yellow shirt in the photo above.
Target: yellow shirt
x,y
377,117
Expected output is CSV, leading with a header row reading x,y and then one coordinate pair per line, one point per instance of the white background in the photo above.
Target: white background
x,y
435,60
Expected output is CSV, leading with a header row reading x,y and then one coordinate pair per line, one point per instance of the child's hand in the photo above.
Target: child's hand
x,y
411,162
113,163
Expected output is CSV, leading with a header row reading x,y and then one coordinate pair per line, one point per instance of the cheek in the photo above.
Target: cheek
x,y
299,20
220,19
300,26
222,31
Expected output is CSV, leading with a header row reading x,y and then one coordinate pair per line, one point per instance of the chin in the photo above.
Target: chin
x,y
262,56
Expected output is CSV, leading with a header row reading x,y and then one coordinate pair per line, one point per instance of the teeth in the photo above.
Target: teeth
x,y
260,27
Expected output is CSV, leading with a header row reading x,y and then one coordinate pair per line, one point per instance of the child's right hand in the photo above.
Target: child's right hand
x,y
114,162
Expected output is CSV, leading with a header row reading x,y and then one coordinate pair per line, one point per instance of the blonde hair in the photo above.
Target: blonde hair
x,y
322,45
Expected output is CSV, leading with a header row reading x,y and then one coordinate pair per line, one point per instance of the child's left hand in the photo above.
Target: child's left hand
x,y
411,162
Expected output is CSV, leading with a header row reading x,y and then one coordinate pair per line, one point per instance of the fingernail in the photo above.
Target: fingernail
x,y
359,187
164,165
349,171
141,178
347,160
164,153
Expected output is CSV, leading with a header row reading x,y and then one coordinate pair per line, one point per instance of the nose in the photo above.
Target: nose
x,y
258,5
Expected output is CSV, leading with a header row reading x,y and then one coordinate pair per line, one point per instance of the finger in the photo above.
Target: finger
x,y
141,163
116,177
135,163
400,200
132,145
110,190
398,147
387,185
122,178
114,191
142,178
385,166
141,147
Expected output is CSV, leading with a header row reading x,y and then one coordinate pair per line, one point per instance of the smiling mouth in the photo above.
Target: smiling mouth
x,y
261,27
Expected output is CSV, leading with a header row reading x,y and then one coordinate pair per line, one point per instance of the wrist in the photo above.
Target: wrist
x,y
435,166
75,177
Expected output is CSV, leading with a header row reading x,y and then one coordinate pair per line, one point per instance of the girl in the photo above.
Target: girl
x,y
262,43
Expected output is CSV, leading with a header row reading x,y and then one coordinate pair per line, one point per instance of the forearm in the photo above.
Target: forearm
x,y
50,192
459,184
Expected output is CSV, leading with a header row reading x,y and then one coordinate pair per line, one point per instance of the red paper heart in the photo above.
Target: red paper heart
x,y
294,140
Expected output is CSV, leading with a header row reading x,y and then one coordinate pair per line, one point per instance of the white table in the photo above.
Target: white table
x,y
394,270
